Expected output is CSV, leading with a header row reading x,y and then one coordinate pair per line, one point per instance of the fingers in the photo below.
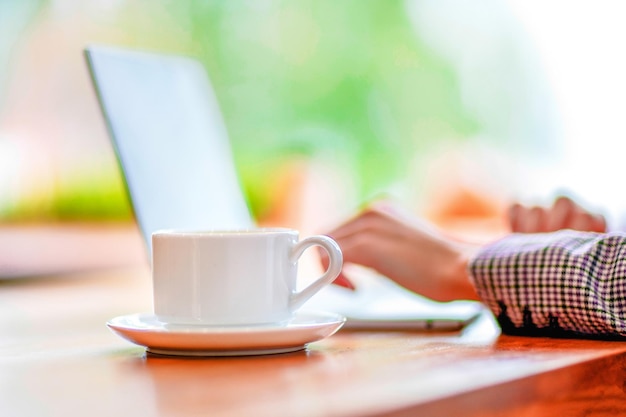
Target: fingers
x,y
368,239
342,281
563,214
514,215
598,224
358,237
355,239
588,222
566,214
528,219
374,219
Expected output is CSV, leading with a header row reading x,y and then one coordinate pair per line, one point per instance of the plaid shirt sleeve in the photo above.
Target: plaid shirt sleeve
x,y
565,283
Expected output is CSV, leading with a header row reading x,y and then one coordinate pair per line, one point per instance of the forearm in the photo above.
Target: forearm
x,y
555,284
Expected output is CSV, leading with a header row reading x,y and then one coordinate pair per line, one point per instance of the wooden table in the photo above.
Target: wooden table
x,y
57,358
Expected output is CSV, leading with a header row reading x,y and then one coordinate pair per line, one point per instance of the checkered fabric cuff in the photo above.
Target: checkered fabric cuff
x,y
555,284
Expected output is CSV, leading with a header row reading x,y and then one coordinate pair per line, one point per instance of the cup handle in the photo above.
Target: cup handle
x,y
334,267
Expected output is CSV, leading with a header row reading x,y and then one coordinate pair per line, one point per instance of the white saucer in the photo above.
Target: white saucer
x,y
145,329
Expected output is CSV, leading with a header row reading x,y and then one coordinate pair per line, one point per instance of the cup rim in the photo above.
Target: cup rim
x,y
250,231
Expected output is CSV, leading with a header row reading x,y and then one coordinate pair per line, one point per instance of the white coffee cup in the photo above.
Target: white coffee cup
x,y
229,278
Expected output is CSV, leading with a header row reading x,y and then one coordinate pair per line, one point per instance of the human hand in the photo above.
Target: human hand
x,y
412,253
563,214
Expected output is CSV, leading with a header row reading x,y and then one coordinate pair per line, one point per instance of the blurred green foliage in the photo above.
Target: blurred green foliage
x,y
349,80
86,195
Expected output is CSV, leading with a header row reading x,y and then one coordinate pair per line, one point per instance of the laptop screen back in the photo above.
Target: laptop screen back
x,y
170,140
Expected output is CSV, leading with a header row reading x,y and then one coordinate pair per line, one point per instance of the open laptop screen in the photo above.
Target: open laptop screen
x,y
170,140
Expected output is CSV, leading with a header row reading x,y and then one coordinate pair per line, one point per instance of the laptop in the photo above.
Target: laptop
x,y
170,140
